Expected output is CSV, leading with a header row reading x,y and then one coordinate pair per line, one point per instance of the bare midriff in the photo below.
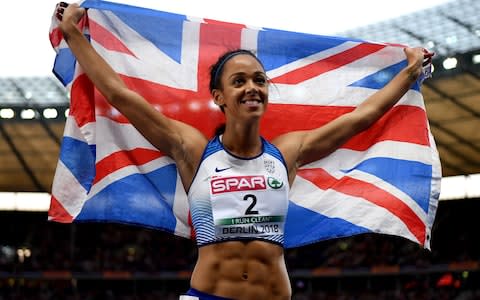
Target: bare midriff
x,y
242,270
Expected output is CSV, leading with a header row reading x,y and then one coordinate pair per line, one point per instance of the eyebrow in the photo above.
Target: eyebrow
x,y
244,73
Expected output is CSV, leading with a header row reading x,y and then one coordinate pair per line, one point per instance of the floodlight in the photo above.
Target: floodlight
x,y
50,113
7,113
27,114
450,63
476,59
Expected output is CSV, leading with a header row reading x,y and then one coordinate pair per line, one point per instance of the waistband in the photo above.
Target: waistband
x,y
204,296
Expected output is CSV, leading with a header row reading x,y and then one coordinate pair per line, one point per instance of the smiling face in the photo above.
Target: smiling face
x,y
244,88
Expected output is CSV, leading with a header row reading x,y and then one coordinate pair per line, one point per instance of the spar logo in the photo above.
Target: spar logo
x,y
237,183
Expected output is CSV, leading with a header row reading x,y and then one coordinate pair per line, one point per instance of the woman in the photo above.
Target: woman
x,y
238,205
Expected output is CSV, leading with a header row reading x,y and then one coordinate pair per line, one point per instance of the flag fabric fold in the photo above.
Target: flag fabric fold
x,y
384,180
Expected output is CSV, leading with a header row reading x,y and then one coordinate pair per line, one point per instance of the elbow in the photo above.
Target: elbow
x,y
365,118
362,125
115,97
115,92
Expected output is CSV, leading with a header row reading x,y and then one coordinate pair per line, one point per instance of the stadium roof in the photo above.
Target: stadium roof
x,y
30,140
452,96
447,29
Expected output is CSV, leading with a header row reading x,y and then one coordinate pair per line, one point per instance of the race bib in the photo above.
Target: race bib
x,y
248,206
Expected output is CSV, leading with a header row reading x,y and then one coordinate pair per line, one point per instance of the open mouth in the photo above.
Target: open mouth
x,y
252,102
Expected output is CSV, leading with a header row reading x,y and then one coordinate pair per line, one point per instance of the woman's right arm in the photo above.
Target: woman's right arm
x,y
174,138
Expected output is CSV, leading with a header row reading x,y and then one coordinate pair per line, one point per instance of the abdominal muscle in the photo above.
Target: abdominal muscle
x,y
242,270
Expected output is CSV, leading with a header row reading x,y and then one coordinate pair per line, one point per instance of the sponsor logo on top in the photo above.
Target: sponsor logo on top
x,y
243,183
238,183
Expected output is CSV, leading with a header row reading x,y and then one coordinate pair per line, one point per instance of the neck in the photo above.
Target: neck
x,y
243,139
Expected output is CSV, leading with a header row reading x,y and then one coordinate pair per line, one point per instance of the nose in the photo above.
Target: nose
x,y
251,87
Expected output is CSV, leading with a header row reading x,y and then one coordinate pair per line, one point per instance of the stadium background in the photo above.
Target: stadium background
x,y
43,260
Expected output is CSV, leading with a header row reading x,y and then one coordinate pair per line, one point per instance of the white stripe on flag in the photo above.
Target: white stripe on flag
x,y
249,39
346,159
340,96
85,134
68,191
311,59
366,177
118,136
332,88
129,170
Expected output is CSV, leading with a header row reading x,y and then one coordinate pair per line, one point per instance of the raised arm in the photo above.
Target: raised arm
x,y
302,147
180,141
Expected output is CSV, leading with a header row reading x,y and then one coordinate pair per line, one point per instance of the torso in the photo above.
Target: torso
x,y
242,270
238,211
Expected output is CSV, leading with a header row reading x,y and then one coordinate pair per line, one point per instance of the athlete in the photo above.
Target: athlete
x,y
240,237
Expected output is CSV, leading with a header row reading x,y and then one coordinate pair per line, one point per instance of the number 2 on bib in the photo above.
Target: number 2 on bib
x,y
250,210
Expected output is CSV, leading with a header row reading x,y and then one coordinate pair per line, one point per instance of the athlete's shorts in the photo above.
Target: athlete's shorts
x,y
193,294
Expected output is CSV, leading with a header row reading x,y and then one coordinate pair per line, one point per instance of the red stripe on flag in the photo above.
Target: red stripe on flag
x,y
82,104
330,63
403,123
124,158
105,38
230,26
368,192
58,213
215,39
172,102
55,37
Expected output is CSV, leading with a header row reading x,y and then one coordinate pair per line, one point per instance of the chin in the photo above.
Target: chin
x,y
256,114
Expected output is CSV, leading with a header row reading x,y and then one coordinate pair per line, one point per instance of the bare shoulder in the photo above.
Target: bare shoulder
x,y
290,145
286,142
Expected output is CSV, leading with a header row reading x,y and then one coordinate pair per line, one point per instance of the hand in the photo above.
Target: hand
x,y
69,13
417,58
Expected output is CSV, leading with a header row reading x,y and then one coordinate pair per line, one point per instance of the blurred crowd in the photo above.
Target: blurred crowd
x,y
368,266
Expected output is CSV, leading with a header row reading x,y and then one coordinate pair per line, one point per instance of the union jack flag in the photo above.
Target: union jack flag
x,y
384,180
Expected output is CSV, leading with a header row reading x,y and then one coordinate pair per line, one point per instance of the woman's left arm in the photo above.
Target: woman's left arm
x,y
302,147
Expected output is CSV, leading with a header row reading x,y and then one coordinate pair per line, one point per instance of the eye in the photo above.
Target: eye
x,y
260,80
238,81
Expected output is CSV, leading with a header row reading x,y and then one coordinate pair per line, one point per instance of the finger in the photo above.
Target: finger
x,y
428,54
427,61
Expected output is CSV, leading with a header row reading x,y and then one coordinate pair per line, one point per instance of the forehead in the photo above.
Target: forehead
x,y
242,63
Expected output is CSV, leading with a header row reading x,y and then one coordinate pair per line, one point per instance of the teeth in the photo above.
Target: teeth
x,y
251,101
